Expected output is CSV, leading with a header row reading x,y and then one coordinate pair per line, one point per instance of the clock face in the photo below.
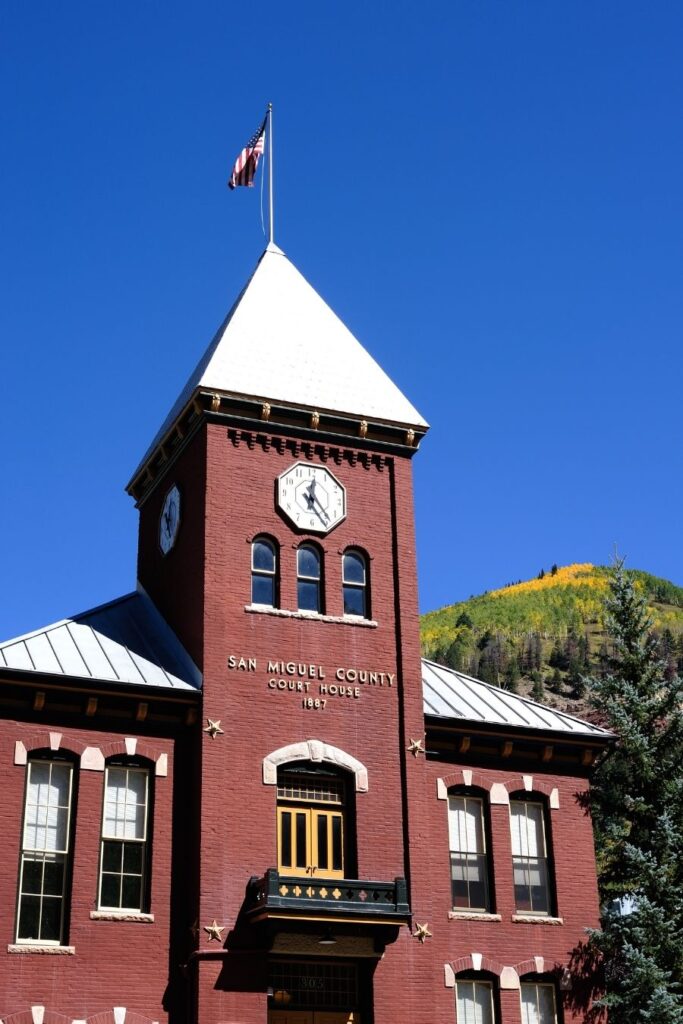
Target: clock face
x,y
169,521
311,497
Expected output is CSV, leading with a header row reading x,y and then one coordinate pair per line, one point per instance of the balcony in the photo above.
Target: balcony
x,y
276,896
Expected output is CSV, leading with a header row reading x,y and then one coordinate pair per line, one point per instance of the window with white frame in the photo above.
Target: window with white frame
x,y
538,1003
124,854
45,852
264,572
355,584
467,842
529,857
474,1001
309,579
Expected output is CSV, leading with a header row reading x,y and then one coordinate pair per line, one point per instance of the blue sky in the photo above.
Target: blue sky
x,y
488,193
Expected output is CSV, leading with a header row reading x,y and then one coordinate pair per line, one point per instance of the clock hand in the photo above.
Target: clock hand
x,y
322,513
310,494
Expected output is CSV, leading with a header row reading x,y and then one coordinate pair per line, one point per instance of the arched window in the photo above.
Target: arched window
x,y
355,584
470,867
124,856
264,574
539,1005
313,822
531,866
46,850
475,998
309,579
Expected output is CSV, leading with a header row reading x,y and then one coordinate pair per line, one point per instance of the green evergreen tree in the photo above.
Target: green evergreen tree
x,y
555,683
637,804
512,675
537,690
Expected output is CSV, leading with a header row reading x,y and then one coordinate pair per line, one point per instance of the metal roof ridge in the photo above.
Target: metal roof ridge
x,y
67,620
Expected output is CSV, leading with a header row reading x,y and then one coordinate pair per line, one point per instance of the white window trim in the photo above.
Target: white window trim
x,y
143,842
476,983
537,985
64,854
483,854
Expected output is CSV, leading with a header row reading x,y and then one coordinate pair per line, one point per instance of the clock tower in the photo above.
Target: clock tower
x,y
277,540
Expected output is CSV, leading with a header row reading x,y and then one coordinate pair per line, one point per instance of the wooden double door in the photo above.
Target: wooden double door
x,y
311,843
312,1017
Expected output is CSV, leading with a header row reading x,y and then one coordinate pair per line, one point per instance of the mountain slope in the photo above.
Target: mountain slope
x,y
542,635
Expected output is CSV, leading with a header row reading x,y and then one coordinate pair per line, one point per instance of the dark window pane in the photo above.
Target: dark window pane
x,y
51,920
460,887
461,896
110,891
132,889
337,862
111,856
354,568
263,556
478,897
354,601
33,876
539,886
301,841
322,841
308,562
132,858
286,840
53,882
263,590
29,916
308,596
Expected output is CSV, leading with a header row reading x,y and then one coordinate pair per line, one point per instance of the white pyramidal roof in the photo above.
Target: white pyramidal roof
x,y
282,343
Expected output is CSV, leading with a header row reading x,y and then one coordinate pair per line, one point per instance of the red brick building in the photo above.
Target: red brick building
x,y
238,794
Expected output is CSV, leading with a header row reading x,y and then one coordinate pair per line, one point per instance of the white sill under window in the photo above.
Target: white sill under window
x,y
41,948
473,915
121,915
284,613
536,919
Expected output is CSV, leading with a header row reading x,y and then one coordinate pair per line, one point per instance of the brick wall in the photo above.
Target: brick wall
x,y
115,963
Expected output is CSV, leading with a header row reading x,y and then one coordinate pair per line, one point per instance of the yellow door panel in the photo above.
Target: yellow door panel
x,y
294,841
327,839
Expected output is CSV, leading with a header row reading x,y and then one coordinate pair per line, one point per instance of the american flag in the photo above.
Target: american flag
x,y
246,163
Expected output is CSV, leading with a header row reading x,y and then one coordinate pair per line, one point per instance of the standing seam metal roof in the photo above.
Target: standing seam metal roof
x,y
125,641
128,641
449,694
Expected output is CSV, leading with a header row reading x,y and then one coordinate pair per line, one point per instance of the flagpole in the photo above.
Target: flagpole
x,y
270,173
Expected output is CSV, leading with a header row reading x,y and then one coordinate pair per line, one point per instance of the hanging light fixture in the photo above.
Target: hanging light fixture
x,y
327,939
